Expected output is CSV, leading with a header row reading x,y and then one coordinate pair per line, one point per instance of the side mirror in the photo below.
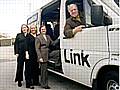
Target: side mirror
x,y
97,17
107,20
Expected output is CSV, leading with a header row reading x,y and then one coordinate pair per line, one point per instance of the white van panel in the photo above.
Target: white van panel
x,y
83,73
90,39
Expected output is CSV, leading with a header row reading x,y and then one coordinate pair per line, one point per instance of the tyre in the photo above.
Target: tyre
x,y
109,81
94,85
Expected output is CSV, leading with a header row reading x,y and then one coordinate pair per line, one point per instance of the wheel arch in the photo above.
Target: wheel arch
x,y
100,75
104,70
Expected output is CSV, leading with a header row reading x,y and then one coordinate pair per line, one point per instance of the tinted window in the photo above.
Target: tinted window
x,y
117,2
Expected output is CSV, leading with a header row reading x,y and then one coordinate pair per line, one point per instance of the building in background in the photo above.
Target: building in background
x,y
6,40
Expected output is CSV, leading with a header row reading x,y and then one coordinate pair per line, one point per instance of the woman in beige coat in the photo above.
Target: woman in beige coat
x,y
42,43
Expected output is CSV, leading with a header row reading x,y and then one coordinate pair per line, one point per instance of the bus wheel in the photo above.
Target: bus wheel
x,y
110,81
94,85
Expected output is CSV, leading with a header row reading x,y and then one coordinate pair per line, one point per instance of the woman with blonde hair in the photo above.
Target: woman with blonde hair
x,y
33,65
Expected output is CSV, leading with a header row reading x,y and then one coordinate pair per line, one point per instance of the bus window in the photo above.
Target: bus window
x,y
75,18
50,16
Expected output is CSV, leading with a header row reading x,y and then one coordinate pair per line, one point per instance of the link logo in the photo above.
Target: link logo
x,y
82,59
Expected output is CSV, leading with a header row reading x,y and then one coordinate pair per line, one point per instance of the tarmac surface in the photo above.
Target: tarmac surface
x,y
8,69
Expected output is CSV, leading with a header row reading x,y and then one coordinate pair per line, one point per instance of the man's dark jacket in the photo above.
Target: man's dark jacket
x,y
71,23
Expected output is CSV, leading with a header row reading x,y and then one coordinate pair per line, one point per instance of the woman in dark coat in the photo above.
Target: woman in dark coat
x,y
33,65
20,50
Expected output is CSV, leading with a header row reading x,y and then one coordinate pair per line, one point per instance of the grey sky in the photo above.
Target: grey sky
x,y
13,13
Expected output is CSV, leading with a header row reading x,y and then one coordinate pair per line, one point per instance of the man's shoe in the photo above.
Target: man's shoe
x,y
47,87
31,87
39,84
19,84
